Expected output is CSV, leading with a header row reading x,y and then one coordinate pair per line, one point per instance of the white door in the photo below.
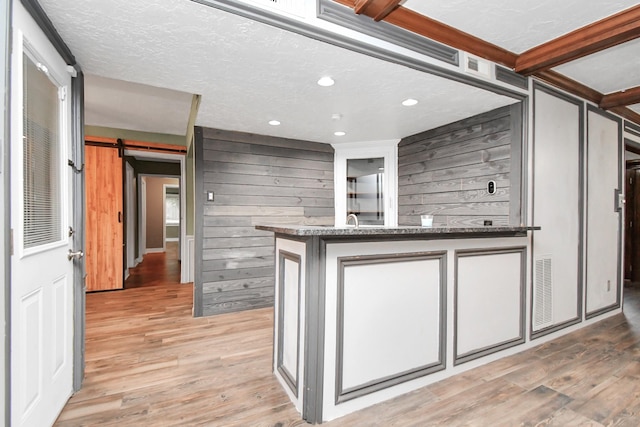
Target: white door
x,y
41,275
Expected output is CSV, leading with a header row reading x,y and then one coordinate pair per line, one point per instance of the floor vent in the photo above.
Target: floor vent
x,y
542,293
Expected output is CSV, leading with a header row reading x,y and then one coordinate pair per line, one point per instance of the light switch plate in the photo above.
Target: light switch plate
x,y
209,196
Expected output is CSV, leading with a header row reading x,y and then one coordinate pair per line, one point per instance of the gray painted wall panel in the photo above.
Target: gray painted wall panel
x,y
256,180
445,171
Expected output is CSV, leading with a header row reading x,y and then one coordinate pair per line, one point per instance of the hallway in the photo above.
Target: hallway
x,y
156,268
149,363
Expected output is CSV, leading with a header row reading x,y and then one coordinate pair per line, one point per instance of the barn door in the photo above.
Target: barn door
x,y
104,254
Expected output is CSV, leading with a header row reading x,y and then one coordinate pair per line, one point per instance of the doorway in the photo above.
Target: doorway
x,y
158,230
632,217
155,205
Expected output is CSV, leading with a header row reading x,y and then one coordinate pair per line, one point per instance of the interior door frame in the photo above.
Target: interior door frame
x,y
130,209
5,217
79,226
166,157
164,213
633,147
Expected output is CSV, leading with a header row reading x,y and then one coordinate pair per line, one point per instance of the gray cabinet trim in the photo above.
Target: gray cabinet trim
x,y
632,128
344,16
343,395
617,304
537,86
314,330
520,339
291,381
511,77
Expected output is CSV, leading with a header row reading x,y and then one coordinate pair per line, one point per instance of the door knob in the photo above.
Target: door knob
x,y
74,255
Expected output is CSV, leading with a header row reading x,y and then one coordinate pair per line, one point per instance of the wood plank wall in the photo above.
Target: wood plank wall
x,y
256,180
445,171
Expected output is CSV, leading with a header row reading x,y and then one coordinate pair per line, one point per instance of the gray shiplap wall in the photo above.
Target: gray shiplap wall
x,y
445,171
256,180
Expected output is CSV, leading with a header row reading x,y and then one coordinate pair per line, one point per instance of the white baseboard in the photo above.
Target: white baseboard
x,y
172,239
153,250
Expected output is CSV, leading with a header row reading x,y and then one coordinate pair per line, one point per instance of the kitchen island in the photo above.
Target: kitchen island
x,y
366,314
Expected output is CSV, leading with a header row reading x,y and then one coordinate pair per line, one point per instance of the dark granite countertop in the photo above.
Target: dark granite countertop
x,y
416,231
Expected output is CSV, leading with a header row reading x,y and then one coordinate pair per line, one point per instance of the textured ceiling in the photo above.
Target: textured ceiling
x,y
123,105
249,73
597,72
518,25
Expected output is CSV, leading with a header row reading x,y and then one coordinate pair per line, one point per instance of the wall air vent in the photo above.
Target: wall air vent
x,y
477,66
543,293
291,7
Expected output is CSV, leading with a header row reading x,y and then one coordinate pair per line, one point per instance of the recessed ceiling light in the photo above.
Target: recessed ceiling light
x,y
274,123
326,81
409,102
339,133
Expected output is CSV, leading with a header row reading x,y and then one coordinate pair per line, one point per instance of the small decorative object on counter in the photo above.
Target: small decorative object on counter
x,y
426,220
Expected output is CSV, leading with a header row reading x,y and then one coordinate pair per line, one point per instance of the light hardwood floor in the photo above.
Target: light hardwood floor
x,y
149,363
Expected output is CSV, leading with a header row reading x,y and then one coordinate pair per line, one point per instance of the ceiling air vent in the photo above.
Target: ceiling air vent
x,y
292,7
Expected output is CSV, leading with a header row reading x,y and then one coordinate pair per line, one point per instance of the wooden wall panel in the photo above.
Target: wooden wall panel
x,y
445,171
256,180
104,240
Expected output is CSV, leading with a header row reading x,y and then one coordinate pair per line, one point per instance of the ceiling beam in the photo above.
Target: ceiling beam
x,y
618,99
627,113
376,9
560,81
600,35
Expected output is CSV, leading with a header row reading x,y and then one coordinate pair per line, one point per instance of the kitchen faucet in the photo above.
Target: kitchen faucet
x,y
355,219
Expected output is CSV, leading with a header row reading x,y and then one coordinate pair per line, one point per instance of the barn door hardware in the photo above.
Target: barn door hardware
x,y
73,166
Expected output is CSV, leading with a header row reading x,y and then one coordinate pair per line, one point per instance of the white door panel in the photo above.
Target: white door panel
x,y
603,220
41,273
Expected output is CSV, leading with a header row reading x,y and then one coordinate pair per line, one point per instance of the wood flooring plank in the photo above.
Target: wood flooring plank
x,y
150,363
610,405
566,417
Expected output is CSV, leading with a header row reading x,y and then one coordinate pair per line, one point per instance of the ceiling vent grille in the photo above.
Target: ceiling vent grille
x,y
543,293
292,7
477,66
